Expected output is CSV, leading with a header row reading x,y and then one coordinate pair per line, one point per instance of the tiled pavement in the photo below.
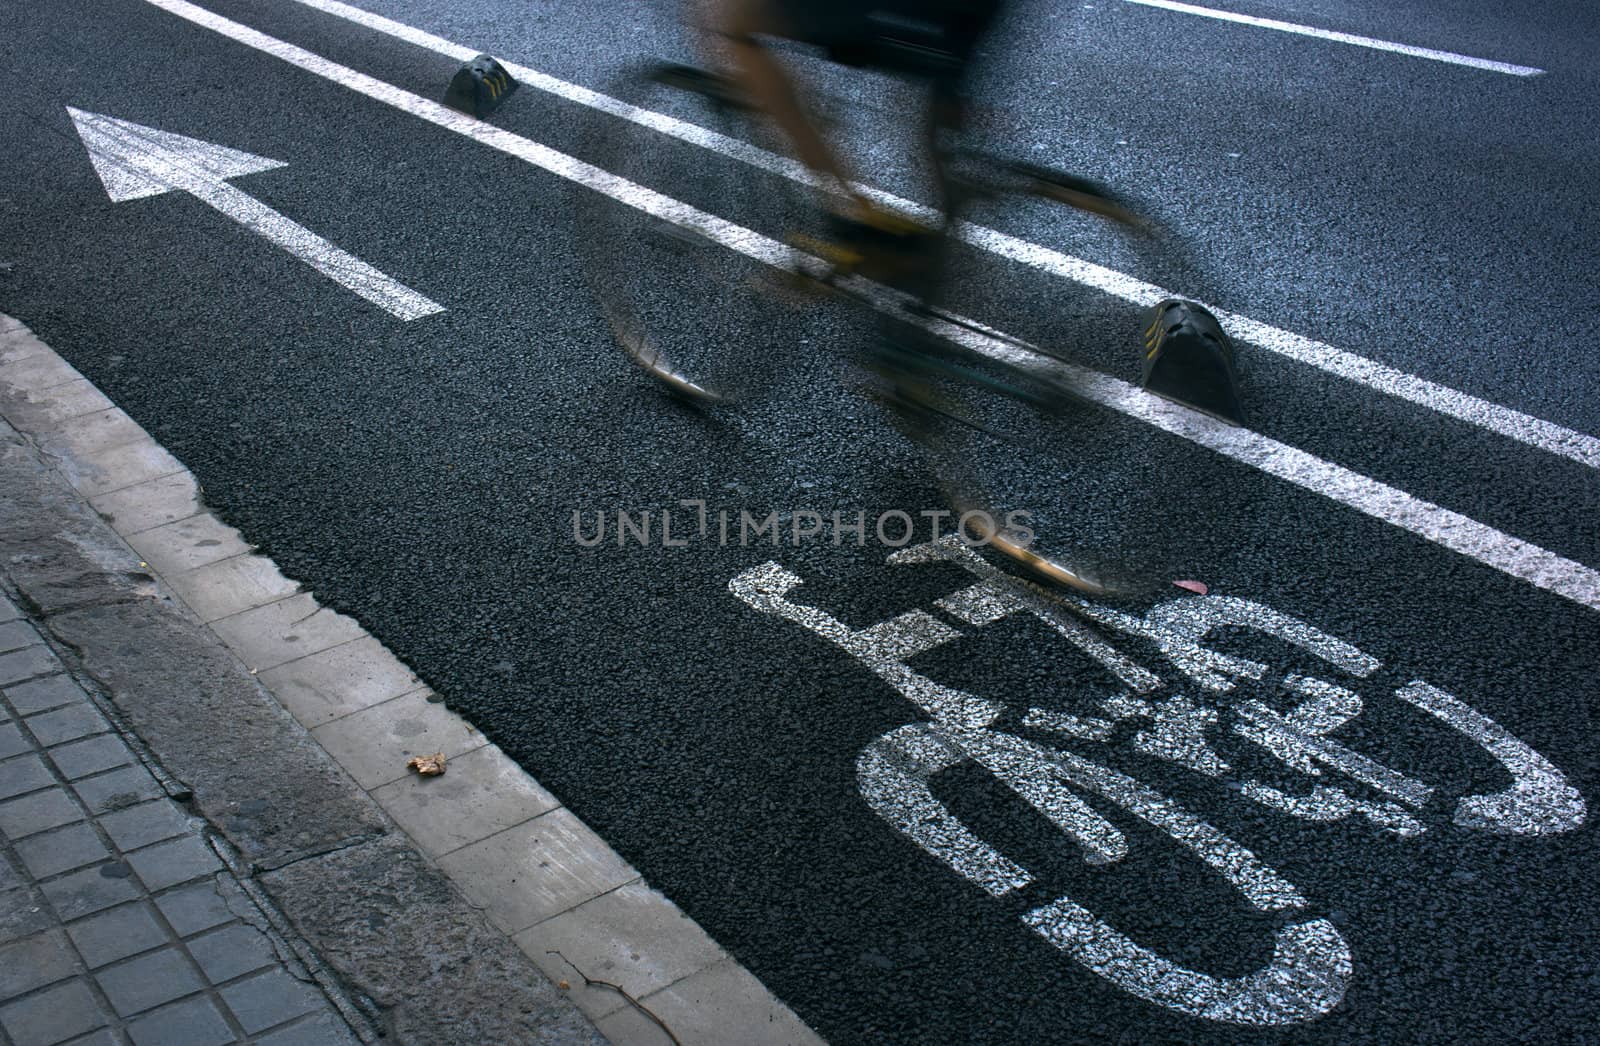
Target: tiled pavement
x,y
549,893
118,921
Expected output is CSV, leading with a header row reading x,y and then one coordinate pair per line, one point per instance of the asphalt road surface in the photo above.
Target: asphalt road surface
x,y
1346,797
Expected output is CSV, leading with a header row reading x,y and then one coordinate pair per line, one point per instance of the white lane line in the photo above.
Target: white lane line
x,y
1493,548
1513,424
1452,530
1345,38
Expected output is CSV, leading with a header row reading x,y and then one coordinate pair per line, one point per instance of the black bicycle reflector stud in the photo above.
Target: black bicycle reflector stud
x,y
479,87
1188,358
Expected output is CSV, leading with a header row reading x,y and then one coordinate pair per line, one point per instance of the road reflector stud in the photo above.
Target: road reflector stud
x,y
1188,358
479,87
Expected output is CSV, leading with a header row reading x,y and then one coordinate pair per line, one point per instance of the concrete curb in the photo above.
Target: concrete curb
x,y
140,560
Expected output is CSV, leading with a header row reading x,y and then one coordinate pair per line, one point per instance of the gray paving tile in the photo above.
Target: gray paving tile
x,y
45,410
231,952
375,744
536,870
92,433
149,504
23,913
12,742
23,774
18,343
324,686
722,1004
192,1022
67,724
8,610
144,824
230,586
324,1029
10,877
39,371
189,543
103,1037
38,812
628,1025
149,981
14,635
91,756
89,891
25,664
113,468
269,999
61,850
41,694
284,631
117,790
632,936
174,861
481,792
34,962
53,1015
195,908
116,934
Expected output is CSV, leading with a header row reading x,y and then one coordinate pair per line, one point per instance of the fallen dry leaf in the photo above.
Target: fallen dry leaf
x,y
563,985
427,765
1197,587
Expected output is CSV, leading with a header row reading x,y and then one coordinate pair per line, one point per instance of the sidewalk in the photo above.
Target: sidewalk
x,y
183,862
116,911
168,672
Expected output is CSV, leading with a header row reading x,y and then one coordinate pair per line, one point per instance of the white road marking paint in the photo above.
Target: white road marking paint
x,y
1513,424
1305,979
1344,38
893,774
1452,530
882,648
1459,533
1539,801
134,161
1311,963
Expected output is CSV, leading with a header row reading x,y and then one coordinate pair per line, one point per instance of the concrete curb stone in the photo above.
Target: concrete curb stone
x,y
182,642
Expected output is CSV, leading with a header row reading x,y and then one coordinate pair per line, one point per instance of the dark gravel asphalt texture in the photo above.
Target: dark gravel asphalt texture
x,y
423,477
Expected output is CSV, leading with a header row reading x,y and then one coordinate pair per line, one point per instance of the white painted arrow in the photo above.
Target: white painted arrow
x,y
135,161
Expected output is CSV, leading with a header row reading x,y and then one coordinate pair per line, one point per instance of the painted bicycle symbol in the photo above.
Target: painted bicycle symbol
x,y
1311,962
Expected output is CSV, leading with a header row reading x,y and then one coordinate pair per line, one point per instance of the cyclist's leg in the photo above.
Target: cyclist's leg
x,y
739,23
966,23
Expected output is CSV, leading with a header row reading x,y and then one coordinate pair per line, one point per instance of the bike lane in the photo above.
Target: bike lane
x,y
721,746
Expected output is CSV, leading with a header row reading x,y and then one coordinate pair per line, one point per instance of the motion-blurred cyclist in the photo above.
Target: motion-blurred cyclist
x,y
933,40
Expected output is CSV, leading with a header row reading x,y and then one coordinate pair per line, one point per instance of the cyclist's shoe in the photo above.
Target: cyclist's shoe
x,y
879,245
891,248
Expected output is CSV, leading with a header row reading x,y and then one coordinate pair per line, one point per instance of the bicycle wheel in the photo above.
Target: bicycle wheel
x,y
988,429
1100,220
1022,432
682,284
